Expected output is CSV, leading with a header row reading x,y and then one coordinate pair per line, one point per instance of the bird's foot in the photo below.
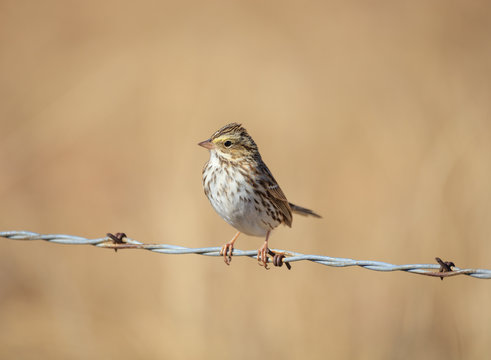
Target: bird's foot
x,y
262,255
227,251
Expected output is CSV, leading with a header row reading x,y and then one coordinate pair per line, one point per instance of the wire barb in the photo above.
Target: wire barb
x,y
120,241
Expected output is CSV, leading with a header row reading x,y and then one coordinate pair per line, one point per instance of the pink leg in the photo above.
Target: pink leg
x,y
262,252
228,248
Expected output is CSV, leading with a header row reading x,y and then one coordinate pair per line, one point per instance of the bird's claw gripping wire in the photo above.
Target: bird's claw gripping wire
x,y
227,251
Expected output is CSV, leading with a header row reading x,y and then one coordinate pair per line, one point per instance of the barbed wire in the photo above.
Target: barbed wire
x,y
120,241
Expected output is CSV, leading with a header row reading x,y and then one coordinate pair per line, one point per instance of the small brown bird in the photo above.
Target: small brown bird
x,y
242,190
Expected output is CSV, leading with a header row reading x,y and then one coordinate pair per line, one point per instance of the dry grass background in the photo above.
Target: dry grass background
x,y
376,114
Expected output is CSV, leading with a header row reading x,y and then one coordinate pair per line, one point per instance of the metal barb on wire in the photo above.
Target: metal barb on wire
x,y
120,241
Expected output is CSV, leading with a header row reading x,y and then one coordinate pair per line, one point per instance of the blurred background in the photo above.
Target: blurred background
x,y
375,114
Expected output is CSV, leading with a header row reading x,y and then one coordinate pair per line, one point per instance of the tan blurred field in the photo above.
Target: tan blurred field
x,y
375,114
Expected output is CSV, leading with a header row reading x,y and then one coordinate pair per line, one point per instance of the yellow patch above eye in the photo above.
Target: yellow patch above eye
x,y
222,139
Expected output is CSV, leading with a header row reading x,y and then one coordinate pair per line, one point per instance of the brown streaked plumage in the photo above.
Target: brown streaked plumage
x,y
242,190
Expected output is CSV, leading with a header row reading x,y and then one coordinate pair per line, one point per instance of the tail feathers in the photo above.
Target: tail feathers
x,y
303,211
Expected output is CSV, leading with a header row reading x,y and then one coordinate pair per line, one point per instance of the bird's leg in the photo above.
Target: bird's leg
x,y
262,253
228,248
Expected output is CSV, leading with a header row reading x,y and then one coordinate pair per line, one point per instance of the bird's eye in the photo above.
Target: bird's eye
x,y
227,143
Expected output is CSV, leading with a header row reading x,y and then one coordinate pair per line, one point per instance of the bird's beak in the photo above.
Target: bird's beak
x,y
207,144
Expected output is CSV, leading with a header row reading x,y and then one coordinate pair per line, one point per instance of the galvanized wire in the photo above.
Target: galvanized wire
x,y
434,270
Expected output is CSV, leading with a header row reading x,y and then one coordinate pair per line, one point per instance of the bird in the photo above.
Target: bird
x,y
243,191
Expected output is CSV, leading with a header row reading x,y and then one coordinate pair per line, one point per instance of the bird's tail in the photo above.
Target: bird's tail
x,y
303,211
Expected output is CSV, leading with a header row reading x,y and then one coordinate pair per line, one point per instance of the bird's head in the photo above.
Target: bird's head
x,y
231,142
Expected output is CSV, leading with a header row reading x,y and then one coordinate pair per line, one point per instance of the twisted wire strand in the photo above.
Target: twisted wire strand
x,y
434,270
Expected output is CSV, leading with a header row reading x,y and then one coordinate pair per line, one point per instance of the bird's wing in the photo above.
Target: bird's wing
x,y
276,195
